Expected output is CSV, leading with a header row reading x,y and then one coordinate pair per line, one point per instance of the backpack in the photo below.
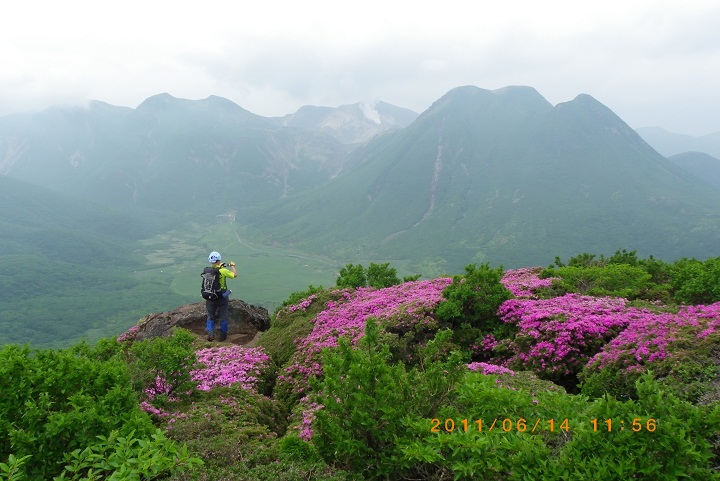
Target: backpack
x,y
210,288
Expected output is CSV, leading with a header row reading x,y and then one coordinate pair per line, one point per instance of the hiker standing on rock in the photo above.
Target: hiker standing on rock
x,y
216,294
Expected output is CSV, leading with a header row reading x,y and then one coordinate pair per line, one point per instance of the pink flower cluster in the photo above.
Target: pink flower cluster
x,y
524,282
404,304
308,417
563,334
302,305
489,369
227,365
649,337
560,334
129,335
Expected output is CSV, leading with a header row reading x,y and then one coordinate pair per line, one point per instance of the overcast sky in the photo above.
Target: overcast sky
x,y
653,62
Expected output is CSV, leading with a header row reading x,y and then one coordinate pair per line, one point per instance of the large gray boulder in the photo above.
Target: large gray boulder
x,y
245,321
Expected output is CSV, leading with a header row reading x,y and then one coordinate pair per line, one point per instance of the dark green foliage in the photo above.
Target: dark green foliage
x,y
678,448
224,424
454,444
366,398
621,275
611,381
170,359
474,298
352,275
128,457
382,275
685,281
56,401
275,466
657,436
691,373
616,280
696,282
376,275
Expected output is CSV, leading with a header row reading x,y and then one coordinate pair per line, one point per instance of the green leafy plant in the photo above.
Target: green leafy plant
x,y
11,471
657,437
117,457
352,275
382,275
365,400
376,275
162,365
60,400
696,282
474,298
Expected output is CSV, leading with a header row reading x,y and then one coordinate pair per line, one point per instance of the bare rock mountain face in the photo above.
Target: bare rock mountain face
x,y
245,322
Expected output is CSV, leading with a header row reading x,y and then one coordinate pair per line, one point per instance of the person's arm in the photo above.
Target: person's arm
x,y
229,269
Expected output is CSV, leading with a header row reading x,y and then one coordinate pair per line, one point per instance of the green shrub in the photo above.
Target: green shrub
x,y
473,299
163,365
487,430
621,275
657,437
615,280
382,275
352,275
696,282
376,275
11,471
554,436
127,457
57,401
365,399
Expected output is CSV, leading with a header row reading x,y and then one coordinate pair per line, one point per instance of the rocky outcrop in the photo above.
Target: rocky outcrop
x,y
245,321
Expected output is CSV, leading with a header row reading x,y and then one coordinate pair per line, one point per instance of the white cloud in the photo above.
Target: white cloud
x,y
652,62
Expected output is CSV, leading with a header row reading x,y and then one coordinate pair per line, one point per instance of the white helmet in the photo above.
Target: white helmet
x,y
214,257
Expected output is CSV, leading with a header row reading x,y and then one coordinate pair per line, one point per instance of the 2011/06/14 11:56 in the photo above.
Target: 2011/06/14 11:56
x,y
523,425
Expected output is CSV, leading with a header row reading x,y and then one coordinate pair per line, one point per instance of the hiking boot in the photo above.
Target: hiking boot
x,y
223,336
210,336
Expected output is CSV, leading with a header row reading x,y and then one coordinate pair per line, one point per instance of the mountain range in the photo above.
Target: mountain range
x,y
503,176
499,176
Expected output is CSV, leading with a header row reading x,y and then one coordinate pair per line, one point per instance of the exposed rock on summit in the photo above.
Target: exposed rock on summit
x,y
245,321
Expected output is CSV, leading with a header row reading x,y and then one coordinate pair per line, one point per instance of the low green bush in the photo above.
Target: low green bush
x,y
161,366
471,304
57,401
365,400
117,457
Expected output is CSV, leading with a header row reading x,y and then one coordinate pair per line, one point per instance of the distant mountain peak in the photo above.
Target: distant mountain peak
x,y
351,123
159,100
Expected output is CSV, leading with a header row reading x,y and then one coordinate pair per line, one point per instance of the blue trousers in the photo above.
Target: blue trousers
x,y
217,310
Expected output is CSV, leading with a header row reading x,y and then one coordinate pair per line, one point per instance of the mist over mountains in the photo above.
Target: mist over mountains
x,y
499,176
504,176
482,175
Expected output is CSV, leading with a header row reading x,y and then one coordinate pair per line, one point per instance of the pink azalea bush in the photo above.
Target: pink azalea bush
x,y
217,366
230,365
129,335
524,282
303,304
558,336
308,409
650,337
489,369
411,303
